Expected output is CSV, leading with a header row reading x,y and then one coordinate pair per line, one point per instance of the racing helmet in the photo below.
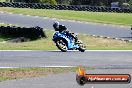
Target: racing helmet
x,y
56,25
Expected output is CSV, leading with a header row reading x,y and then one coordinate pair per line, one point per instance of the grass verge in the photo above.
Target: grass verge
x,y
101,17
92,43
2,0
17,73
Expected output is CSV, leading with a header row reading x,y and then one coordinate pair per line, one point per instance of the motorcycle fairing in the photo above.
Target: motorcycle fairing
x,y
71,44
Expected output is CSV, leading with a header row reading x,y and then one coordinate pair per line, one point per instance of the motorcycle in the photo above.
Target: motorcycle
x,y
64,42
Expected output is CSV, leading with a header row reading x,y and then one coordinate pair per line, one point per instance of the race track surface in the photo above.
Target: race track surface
x,y
95,59
77,27
103,61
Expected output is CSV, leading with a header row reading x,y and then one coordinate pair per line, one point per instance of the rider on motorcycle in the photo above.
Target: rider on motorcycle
x,y
62,28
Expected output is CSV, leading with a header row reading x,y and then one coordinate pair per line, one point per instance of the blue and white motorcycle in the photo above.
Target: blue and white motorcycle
x,y
64,42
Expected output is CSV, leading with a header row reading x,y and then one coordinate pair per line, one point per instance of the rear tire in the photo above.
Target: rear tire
x,y
61,45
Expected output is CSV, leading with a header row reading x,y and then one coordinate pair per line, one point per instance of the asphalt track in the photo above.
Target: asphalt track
x,y
95,59
77,27
114,62
103,62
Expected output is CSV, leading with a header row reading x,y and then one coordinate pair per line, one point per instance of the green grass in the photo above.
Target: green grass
x,y
17,73
101,17
2,0
5,78
40,44
3,38
92,43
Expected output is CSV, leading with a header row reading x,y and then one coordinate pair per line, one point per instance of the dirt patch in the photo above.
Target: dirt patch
x,y
8,74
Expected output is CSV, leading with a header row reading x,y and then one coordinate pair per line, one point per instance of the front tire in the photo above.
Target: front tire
x,y
82,47
61,44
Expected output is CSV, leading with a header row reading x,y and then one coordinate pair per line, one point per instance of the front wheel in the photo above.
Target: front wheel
x,y
82,47
61,44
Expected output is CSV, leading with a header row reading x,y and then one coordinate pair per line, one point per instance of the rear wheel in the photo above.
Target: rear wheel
x,y
61,44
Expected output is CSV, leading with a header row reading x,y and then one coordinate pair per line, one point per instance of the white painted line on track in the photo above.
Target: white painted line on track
x,y
10,13
1,23
8,67
20,14
1,12
92,87
94,50
72,50
36,16
27,15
